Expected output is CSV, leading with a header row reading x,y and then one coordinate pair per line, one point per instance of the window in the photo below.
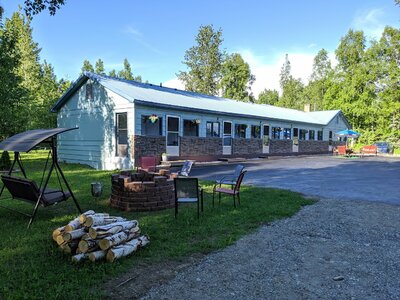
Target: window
x,y
240,131
311,135
302,135
89,91
276,132
287,133
212,129
320,135
266,130
330,137
151,127
295,132
190,128
255,131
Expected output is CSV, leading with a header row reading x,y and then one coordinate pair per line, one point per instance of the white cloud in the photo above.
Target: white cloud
x,y
371,22
312,45
138,37
267,73
133,31
174,83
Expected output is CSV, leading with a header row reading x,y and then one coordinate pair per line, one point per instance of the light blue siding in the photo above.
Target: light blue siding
x,y
93,142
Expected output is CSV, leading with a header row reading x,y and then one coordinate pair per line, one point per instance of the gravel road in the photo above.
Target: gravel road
x,y
333,249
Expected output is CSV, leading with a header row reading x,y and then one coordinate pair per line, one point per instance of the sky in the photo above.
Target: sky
x,y
154,35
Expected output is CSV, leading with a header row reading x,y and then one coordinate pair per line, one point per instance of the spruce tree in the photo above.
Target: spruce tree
x,y
99,67
87,67
126,73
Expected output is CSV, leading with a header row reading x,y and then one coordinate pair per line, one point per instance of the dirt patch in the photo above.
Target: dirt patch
x,y
141,278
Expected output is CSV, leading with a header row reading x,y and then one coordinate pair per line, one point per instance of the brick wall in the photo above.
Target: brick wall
x,y
200,146
148,146
246,146
313,146
280,146
131,195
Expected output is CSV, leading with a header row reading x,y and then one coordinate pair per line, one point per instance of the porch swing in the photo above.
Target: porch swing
x,y
25,189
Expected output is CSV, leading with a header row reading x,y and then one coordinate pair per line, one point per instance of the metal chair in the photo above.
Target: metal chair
x,y
234,191
187,190
231,179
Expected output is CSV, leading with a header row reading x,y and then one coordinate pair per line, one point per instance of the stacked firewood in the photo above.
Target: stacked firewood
x,y
97,236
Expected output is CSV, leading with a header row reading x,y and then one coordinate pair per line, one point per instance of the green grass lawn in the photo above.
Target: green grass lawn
x,y
32,266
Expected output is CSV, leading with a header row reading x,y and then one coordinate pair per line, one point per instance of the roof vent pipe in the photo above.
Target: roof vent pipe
x,y
307,107
160,84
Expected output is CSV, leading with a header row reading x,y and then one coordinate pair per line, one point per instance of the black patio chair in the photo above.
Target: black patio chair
x,y
187,190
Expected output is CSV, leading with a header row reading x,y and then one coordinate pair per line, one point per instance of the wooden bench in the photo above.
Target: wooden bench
x,y
369,150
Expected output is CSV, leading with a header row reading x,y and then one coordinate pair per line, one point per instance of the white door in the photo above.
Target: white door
x,y
172,135
295,140
227,138
265,138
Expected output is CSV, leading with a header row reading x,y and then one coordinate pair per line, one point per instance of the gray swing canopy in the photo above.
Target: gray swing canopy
x,y
26,189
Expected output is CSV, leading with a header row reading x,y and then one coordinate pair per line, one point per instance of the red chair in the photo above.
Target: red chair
x,y
234,192
148,163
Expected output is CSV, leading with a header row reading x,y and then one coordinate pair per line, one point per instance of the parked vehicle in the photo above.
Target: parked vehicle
x,y
383,147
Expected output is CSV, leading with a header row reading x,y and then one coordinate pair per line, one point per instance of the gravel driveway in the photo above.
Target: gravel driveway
x,y
334,249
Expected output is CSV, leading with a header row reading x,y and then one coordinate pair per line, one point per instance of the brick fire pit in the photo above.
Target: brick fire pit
x,y
142,191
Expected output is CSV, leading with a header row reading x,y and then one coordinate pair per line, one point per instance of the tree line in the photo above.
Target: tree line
x,y
125,73
364,84
29,88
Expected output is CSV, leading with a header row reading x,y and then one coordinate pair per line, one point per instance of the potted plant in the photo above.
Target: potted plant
x,y
153,118
164,156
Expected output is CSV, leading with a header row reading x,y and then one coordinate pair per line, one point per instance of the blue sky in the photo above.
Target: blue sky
x,y
154,35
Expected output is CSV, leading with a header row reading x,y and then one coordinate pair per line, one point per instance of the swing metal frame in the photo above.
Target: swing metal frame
x,y
26,189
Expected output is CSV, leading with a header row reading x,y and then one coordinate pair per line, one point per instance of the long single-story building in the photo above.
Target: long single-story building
x,y
120,121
